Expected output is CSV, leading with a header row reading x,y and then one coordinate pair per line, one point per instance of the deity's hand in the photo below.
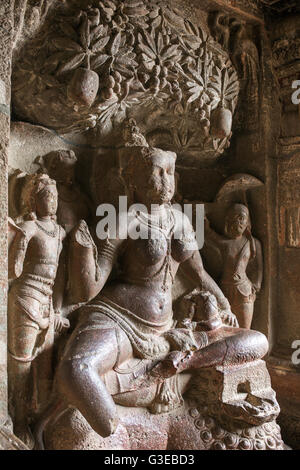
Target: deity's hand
x,y
224,304
60,323
229,318
210,325
255,289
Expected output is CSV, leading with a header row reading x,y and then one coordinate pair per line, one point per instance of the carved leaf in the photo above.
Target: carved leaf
x,y
66,44
98,31
143,48
127,60
85,33
195,90
193,41
100,44
115,44
98,60
174,20
135,11
156,22
52,62
150,39
71,64
171,52
160,43
191,28
68,30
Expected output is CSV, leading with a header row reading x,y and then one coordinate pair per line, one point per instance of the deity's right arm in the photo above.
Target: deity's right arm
x,y
19,237
109,248
90,263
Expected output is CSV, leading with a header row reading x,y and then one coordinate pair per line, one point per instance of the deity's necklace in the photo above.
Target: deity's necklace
x,y
167,232
156,221
50,233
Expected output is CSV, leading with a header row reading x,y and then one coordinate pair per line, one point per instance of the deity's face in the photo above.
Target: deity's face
x,y
156,181
236,222
46,201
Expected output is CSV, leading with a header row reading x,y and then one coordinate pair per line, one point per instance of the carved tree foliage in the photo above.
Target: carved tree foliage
x,y
152,64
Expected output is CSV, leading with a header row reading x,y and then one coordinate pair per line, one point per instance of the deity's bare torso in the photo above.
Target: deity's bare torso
x,y
148,268
43,250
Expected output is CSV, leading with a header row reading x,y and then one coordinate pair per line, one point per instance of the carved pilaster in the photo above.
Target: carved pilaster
x,y
5,71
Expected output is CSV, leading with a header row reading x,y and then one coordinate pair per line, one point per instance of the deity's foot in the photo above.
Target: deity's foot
x,y
171,365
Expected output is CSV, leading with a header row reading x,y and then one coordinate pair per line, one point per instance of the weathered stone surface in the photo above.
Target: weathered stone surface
x,y
154,61
6,31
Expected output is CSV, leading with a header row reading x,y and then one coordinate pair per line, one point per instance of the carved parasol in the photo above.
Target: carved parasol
x,y
239,183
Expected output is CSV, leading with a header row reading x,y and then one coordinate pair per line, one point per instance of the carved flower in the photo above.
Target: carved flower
x,y
82,46
156,50
197,75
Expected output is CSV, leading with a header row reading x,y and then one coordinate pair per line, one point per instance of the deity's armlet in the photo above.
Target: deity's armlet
x,y
89,264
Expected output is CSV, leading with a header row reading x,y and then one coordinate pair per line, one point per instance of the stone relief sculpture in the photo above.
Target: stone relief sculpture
x,y
233,36
231,254
135,368
238,248
74,212
73,204
96,64
32,316
126,349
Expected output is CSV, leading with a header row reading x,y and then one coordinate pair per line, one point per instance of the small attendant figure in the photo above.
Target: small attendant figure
x,y
34,254
240,251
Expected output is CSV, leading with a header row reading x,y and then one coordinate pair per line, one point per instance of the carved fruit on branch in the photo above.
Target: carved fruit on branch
x,y
223,89
83,87
221,122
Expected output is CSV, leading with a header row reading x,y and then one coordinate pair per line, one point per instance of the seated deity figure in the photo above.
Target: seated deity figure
x,y
130,315
32,318
239,251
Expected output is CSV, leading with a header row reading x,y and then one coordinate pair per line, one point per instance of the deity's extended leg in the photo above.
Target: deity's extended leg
x,y
89,355
226,346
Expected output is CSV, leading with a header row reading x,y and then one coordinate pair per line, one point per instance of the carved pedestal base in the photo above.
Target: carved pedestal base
x,y
224,408
185,429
